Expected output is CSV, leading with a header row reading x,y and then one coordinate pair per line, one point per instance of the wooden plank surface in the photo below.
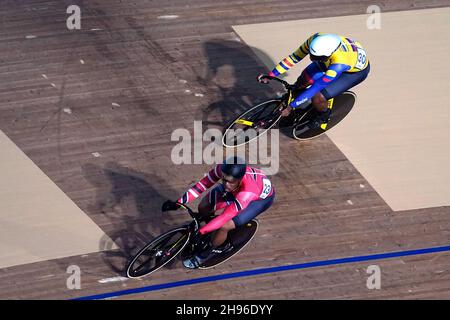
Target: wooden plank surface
x,y
121,91
383,137
38,222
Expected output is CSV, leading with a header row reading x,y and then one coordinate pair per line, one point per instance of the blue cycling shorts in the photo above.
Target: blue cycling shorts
x,y
343,83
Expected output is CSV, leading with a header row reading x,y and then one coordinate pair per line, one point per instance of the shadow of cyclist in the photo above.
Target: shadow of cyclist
x,y
232,70
130,201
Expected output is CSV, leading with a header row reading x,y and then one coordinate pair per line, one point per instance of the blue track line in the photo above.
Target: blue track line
x,y
264,271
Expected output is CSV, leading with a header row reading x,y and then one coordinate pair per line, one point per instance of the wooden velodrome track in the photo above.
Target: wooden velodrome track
x,y
145,64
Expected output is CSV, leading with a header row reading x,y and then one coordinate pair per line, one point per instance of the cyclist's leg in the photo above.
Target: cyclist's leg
x,y
320,102
344,83
209,205
254,209
204,208
212,202
216,244
220,236
311,73
338,86
251,211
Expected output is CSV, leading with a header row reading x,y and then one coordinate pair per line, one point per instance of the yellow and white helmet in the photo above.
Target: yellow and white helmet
x,y
324,45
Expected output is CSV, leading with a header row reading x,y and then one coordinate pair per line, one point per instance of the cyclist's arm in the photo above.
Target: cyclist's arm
x,y
197,189
229,213
333,72
243,199
293,58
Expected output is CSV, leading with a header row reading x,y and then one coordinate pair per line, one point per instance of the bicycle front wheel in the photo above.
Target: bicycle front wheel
x,y
158,252
252,123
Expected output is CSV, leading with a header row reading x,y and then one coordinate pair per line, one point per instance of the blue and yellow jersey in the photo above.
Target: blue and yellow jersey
x,y
350,56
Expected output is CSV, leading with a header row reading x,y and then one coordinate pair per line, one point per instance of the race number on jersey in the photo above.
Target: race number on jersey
x,y
361,59
267,187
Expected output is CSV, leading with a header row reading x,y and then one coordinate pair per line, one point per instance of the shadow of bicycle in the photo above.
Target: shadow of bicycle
x,y
232,70
128,205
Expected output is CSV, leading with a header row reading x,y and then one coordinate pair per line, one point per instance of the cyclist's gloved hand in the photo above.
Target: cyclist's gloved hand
x,y
169,206
262,77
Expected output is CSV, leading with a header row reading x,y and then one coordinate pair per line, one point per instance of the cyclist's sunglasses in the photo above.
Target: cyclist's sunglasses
x,y
229,179
318,58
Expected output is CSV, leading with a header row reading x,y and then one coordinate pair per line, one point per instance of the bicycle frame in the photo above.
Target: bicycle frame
x,y
235,134
289,87
193,226
286,102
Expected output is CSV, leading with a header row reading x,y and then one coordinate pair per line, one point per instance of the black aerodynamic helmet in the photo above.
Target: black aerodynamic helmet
x,y
234,167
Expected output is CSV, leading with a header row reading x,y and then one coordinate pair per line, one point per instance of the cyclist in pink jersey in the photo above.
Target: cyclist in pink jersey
x,y
244,193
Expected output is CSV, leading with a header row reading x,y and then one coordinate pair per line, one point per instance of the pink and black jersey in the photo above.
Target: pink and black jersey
x,y
254,186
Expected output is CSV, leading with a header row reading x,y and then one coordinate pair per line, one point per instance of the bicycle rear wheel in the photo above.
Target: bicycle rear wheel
x,y
343,104
252,123
158,252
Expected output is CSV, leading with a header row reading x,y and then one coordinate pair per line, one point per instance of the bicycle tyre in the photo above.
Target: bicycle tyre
x,y
247,116
240,248
154,248
340,111
302,123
